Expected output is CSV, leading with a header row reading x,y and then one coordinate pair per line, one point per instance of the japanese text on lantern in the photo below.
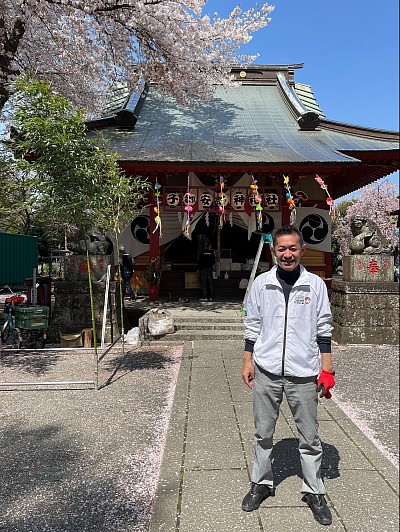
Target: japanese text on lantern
x,y
210,199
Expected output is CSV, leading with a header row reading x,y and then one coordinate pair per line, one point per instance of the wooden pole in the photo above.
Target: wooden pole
x,y
218,266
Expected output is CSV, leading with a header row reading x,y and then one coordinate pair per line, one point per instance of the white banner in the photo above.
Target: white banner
x,y
271,222
315,226
136,236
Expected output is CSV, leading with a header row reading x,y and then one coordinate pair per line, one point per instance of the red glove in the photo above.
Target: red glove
x,y
326,381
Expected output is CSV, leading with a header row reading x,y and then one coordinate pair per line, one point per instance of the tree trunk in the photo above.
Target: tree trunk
x,y
9,45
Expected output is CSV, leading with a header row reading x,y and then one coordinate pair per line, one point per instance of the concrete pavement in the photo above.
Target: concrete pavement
x,y
208,454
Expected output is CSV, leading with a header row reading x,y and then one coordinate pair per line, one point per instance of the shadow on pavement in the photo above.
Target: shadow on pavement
x,y
142,359
34,362
40,488
286,460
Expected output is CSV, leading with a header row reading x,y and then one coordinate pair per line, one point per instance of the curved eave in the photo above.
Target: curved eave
x,y
372,166
360,131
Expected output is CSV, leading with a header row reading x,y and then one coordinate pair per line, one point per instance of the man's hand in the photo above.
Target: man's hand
x,y
326,381
248,370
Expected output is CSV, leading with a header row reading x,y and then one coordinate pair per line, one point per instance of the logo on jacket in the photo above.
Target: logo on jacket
x,y
302,301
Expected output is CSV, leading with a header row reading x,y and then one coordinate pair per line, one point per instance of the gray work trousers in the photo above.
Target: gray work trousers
x,y
303,401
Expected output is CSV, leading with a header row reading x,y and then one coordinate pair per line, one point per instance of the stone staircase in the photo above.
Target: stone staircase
x,y
194,320
210,328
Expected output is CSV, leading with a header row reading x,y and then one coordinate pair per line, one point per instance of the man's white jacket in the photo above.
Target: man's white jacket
x,y
285,336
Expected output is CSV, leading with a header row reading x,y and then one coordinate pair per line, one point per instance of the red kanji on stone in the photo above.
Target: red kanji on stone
x,y
83,266
387,264
373,267
359,264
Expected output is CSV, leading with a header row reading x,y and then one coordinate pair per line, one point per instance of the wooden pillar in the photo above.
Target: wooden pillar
x,y
285,211
154,251
218,254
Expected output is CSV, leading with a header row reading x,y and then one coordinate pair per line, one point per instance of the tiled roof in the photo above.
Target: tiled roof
x,y
241,124
306,95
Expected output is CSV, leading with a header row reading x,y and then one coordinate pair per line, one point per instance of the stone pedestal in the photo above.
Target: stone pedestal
x,y
368,268
365,312
72,311
77,270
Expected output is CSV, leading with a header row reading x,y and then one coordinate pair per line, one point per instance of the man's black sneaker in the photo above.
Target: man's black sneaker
x,y
257,494
319,508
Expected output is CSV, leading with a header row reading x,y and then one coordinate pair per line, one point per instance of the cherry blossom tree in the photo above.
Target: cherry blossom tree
x,y
376,202
84,47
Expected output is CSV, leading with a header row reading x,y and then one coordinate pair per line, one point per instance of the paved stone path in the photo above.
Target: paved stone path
x,y
206,463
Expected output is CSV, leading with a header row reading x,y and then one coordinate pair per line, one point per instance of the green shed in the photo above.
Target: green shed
x,y
18,257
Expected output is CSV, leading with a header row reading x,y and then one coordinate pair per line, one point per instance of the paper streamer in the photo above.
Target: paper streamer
x,y
157,209
290,200
329,199
188,208
258,200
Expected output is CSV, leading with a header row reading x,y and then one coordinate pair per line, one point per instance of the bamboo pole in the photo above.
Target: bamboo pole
x,y
103,329
264,239
95,354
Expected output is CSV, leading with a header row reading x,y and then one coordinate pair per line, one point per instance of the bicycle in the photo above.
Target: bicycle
x,y
25,324
9,333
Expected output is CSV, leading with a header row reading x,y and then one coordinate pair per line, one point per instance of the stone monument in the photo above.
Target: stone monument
x,y
365,303
72,310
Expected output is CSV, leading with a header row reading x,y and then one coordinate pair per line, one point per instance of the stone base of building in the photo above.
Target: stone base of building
x,y
365,313
72,311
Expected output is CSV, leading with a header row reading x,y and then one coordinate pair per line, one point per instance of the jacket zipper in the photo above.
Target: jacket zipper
x,y
285,331
284,337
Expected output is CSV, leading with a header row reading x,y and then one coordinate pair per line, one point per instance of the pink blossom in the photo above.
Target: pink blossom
x,y
375,203
87,48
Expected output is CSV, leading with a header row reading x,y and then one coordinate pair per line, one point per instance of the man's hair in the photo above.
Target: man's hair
x,y
287,230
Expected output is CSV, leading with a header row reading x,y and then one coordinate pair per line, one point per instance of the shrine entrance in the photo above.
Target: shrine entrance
x,y
234,242
234,254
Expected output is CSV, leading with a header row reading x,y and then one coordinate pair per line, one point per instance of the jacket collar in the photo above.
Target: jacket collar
x,y
270,277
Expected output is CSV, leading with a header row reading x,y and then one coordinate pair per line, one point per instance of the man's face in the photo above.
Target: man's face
x,y
288,251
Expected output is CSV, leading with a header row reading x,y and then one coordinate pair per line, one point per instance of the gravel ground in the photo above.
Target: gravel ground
x,y
367,390
81,459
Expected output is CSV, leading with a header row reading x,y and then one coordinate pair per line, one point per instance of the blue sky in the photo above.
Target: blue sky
x,y
350,51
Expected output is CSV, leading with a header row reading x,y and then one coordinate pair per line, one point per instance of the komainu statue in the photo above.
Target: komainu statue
x,y
97,243
367,238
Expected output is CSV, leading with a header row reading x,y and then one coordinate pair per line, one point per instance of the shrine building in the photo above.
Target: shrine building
x,y
203,160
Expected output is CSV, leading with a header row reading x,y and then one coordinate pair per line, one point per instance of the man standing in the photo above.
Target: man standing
x,y
126,268
206,263
288,351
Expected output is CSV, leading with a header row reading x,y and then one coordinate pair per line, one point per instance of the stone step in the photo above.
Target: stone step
x,y
187,335
207,319
199,326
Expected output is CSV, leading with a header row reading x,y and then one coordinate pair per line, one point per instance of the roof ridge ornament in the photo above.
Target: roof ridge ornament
x,y
129,114
307,120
